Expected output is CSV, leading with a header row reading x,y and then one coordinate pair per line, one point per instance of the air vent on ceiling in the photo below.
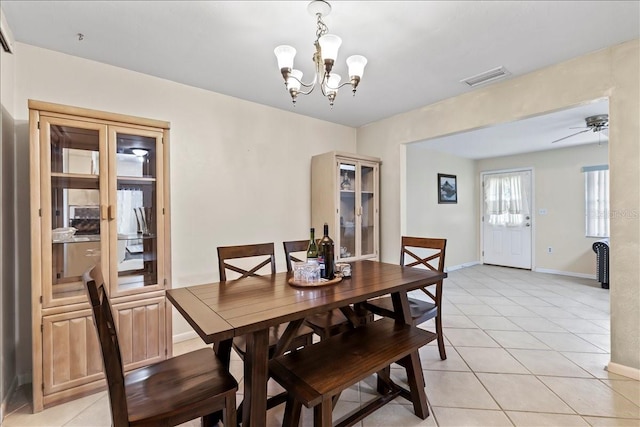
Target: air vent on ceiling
x,y
486,77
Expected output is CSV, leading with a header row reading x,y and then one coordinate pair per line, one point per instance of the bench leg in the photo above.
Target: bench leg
x,y
416,384
383,380
322,414
291,413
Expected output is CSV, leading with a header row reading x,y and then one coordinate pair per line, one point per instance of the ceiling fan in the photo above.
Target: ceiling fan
x,y
597,123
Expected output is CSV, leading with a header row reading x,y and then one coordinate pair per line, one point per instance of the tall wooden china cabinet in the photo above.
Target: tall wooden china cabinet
x,y
104,176
345,195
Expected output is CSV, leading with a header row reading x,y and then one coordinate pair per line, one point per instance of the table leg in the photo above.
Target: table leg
x,y
254,407
412,362
416,385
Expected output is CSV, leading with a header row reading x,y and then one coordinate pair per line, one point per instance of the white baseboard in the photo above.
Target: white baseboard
x,y
460,266
185,336
565,273
623,370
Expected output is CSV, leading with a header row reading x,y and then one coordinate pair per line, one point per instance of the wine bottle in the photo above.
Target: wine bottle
x,y
312,249
327,251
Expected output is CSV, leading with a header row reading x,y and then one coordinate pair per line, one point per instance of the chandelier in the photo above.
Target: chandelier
x,y
327,46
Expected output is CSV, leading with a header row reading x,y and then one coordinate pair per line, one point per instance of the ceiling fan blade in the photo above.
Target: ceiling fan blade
x,y
569,136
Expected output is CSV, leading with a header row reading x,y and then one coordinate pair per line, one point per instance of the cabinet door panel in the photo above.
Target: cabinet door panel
x,y
71,353
73,190
141,331
135,166
368,214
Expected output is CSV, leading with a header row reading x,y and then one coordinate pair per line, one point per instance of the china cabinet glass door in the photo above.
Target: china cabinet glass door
x,y
348,212
357,209
368,209
74,184
137,201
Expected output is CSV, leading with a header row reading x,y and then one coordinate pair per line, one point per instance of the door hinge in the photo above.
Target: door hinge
x,y
162,211
42,386
482,253
40,299
40,212
41,327
38,124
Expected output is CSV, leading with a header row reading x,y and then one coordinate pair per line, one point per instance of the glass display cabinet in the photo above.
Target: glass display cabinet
x,y
98,197
344,194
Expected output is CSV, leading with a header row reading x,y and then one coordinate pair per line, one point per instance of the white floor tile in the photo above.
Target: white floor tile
x,y
523,393
592,397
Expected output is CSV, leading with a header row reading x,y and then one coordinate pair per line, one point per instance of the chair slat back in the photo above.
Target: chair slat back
x,y
434,261
226,253
292,247
109,346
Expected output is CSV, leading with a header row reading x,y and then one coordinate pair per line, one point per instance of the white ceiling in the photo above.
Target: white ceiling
x,y
418,51
525,136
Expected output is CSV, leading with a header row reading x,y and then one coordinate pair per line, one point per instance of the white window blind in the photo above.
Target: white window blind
x,y
506,200
596,180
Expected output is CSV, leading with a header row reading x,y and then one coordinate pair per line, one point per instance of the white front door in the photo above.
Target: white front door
x,y
507,218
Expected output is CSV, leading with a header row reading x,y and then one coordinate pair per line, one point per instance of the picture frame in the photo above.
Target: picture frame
x,y
447,188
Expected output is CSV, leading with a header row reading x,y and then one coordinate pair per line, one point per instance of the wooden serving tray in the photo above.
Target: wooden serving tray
x,y
322,282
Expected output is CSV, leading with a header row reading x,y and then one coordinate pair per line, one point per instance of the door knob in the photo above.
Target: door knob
x,y
527,217
527,225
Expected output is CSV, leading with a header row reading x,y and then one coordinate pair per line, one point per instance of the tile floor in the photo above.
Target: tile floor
x,y
524,349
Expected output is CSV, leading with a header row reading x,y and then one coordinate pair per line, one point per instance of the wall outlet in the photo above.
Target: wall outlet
x,y
549,250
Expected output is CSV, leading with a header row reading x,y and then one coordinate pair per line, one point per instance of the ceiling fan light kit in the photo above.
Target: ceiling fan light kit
x,y
597,123
324,58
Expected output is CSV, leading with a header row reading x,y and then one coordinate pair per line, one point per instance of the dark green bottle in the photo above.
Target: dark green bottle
x,y
327,254
312,249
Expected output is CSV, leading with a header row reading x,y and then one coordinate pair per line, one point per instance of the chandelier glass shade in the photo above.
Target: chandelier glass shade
x,y
325,56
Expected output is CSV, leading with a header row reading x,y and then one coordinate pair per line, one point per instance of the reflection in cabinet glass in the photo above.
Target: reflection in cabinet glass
x,y
74,183
136,157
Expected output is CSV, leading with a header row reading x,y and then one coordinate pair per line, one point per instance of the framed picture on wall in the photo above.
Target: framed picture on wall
x,y
447,188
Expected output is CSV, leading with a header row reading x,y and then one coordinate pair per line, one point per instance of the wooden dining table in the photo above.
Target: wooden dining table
x,y
218,312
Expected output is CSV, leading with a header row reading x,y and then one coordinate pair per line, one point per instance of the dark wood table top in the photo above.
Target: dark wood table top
x,y
220,311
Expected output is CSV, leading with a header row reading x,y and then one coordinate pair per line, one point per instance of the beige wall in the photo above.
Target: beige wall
x,y
559,189
458,223
240,172
612,73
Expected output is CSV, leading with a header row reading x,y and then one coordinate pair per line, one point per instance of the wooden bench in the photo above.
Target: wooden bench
x,y
315,374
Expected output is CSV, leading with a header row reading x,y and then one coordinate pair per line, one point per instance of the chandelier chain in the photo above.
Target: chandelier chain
x,y
322,27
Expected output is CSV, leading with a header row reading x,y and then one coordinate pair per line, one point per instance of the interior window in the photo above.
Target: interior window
x,y
596,179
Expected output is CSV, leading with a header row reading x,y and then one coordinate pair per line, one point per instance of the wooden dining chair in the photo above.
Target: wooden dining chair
x,y
262,257
421,310
168,393
323,324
